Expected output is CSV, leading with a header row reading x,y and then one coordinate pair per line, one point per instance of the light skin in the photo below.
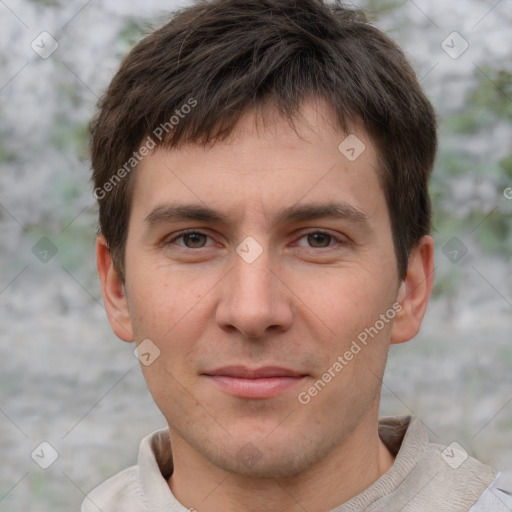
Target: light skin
x,y
300,304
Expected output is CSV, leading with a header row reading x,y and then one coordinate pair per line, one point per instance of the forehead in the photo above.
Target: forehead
x,y
266,165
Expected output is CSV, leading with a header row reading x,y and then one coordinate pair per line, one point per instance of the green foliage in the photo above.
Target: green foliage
x,y
133,31
38,483
446,283
381,7
494,92
506,166
470,120
76,245
504,354
6,154
452,163
69,91
46,3
495,235
67,134
488,103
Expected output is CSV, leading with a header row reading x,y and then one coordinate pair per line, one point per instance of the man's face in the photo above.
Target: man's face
x,y
258,291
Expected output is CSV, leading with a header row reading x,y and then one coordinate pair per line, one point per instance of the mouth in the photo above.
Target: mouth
x,y
258,383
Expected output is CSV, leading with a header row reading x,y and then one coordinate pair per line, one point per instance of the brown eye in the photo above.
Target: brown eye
x,y
194,239
320,238
191,239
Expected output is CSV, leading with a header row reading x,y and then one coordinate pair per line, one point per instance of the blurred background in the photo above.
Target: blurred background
x,y
66,380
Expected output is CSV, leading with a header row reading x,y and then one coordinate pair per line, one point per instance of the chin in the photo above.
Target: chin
x,y
256,460
268,466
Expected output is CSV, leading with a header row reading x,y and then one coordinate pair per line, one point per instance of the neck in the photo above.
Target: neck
x,y
349,469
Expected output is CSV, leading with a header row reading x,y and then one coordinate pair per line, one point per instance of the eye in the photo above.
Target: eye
x,y
321,239
190,237
197,239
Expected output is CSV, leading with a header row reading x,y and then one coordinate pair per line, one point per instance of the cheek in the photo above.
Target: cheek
x,y
345,299
358,335
170,307
162,295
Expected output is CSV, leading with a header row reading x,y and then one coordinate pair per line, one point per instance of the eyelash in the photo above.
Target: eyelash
x,y
341,241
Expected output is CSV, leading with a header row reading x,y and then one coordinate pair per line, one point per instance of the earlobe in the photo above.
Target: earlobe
x,y
414,292
113,292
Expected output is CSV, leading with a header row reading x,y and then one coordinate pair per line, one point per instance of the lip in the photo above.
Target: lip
x,y
264,382
244,372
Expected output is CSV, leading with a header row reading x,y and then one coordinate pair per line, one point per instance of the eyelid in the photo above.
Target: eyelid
x,y
339,238
180,234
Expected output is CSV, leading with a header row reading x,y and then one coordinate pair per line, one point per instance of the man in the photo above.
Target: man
x,y
262,176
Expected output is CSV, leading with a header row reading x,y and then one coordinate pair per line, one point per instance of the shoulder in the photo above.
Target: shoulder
x,y
437,477
485,488
119,492
497,497
458,472
128,490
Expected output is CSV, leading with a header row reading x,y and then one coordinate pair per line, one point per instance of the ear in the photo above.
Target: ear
x,y
414,292
113,293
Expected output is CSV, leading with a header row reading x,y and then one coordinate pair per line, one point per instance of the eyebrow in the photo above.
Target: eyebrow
x,y
167,213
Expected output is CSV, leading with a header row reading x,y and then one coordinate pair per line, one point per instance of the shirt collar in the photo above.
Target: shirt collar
x,y
404,436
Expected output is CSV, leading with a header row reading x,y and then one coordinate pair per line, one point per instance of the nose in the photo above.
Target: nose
x,y
255,300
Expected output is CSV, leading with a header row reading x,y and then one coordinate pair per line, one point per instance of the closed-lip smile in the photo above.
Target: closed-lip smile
x,y
262,382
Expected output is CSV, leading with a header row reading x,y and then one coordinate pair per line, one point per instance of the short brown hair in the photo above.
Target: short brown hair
x,y
229,56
